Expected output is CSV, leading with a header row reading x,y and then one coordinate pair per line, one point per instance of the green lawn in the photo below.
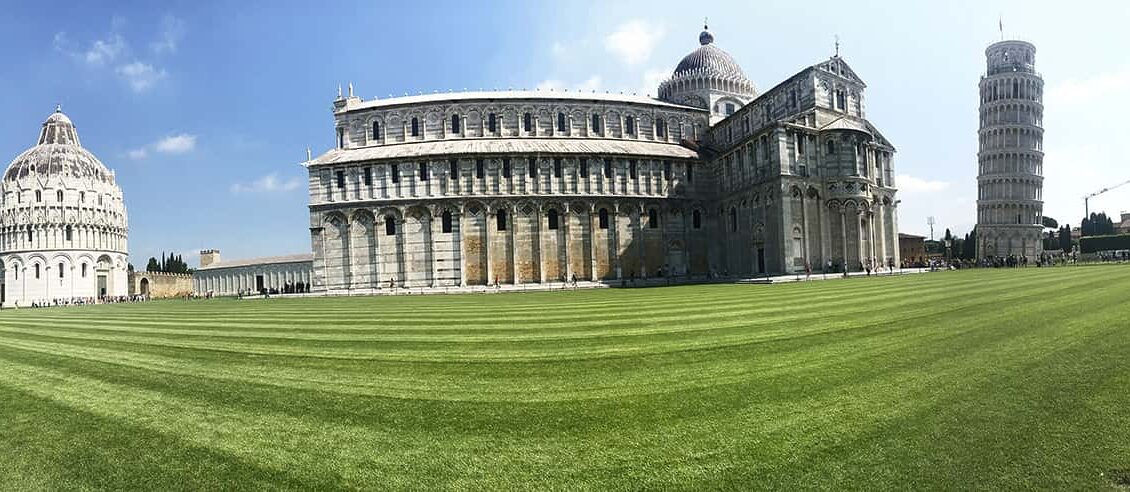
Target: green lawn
x,y
973,379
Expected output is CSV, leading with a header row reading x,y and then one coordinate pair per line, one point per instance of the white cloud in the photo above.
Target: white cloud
x,y
1085,90
267,184
176,144
652,79
173,144
104,51
141,76
911,184
172,31
633,41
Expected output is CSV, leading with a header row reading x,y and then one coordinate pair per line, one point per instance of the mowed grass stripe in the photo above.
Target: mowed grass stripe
x,y
948,380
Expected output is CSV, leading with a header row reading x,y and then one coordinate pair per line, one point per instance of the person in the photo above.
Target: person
x,y
807,270
574,280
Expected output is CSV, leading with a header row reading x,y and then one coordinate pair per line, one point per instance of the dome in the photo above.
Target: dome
x,y
58,153
708,78
709,60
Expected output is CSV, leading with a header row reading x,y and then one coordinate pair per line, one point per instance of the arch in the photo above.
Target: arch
x,y
696,219
552,219
602,217
143,286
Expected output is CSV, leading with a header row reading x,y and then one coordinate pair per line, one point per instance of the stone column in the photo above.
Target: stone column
x,y
615,233
538,255
859,233
641,249
486,245
565,242
843,234
804,230
432,235
593,217
514,244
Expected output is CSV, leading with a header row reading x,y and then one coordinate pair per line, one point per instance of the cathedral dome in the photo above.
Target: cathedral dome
x,y
708,78
58,154
709,60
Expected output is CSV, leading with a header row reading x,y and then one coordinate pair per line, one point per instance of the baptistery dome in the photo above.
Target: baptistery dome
x,y
708,78
63,225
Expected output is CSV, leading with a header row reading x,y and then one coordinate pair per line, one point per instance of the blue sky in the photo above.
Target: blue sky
x,y
204,109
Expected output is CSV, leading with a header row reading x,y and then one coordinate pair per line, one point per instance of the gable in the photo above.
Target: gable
x,y
838,66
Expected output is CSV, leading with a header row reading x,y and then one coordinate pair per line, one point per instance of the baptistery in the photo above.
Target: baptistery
x,y
63,223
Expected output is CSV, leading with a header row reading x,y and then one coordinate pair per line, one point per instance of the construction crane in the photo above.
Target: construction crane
x,y
1087,199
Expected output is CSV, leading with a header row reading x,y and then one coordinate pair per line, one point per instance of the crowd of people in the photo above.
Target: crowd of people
x,y
83,301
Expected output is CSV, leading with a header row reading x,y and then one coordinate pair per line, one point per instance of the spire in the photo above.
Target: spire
x,y
351,89
705,37
58,108
837,46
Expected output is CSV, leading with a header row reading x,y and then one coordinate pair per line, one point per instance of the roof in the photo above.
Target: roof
x,y
844,123
58,153
266,260
599,146
510,95
910,236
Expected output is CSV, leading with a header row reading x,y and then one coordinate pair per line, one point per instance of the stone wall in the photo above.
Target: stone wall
x,y
160,285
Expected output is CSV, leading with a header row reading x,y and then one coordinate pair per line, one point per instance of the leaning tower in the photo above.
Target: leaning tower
x,y
1010,178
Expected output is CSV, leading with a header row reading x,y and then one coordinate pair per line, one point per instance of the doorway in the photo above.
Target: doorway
x,y
258,283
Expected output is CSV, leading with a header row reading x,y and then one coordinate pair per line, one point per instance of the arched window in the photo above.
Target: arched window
x,y
506,167
37,270
454,123
661,128
59,196
533,167
423,171
607,168
453,168
60,269
501,220
595,123
415,126
630,125
38,196
696,220
492,123
480,171
584,167
632,169
557,167
527,122
446,221
603,218
561,122
552,219
84,270
831,147
390,226
394,172
652,219
667,170
70,233
341,138
29,234
376,130
733,219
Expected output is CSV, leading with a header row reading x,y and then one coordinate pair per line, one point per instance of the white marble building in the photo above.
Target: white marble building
x,y
1010,177
515,187
229,278
63,225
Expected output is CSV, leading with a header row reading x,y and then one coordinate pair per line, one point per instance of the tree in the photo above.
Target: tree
x,y
153,266
949,236
1065,238
1051,223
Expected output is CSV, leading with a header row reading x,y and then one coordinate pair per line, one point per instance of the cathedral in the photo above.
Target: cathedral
x,y
63,226
713,178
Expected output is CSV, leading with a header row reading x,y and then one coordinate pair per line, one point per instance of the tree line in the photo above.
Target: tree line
x,y
168,264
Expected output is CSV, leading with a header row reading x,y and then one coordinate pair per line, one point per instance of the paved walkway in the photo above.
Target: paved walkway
x,y
561,286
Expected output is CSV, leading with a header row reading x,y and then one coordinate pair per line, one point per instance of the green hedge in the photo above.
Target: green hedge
x,y
1094,244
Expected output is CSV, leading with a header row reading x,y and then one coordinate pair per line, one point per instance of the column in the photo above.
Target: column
x,y
859,234
432,247
822,222
642,249
486,246
592,242
804,230
843,233
615,233
514,243
538,257
462,249
565,243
